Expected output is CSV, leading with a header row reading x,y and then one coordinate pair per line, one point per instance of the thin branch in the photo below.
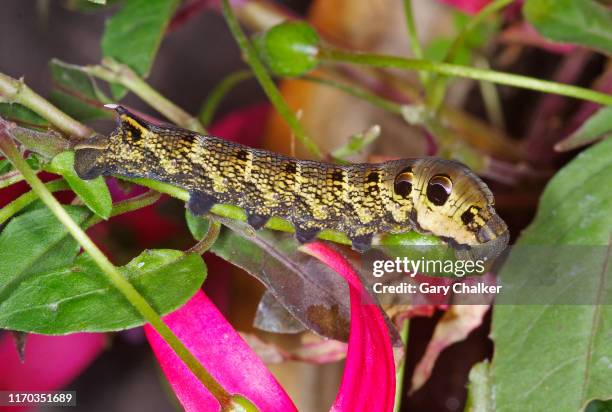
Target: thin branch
x,y
471,25
401,370
16,91
266,82
10,178
128,205
25,199
218,93
48,143
415,45
384,61
114,72
209,238
116,278
437,85
491,98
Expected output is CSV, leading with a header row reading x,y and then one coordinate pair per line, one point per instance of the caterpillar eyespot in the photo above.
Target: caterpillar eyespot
x,y
439,189
403,183
430,195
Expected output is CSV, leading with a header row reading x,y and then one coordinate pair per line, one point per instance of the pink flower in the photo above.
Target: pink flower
x,y
224,354
368,383
467,6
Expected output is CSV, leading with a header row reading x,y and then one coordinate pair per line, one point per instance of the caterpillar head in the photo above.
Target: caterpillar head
x,y
452,202
101,155
89,157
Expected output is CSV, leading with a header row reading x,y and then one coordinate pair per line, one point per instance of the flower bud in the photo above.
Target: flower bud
x,y
289,49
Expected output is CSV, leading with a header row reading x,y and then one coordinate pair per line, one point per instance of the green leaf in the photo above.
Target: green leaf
x,y
133,35
93,192
584,22
35,242
198,226
554,352
77,93
5,166
77,108
313,293
599,406
73,77
19,113
32,159
594,128
437,49
79,297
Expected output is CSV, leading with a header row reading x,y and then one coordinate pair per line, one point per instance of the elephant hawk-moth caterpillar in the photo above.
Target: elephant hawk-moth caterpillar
x,y
430,195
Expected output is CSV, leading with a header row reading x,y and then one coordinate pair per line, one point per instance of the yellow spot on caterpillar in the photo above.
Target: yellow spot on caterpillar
x,y
134,123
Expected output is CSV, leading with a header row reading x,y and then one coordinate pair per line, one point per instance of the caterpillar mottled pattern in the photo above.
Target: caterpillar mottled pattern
x,y
429,195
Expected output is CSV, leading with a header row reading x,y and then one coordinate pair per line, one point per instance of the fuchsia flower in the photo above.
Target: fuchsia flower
x,y
368,383
221,350
467,6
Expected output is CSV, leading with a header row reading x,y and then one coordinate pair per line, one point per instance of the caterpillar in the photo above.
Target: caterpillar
x,y
429,195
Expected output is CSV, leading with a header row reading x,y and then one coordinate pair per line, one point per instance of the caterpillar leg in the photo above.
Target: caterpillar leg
x,y
305,235
362,243
257,221
200,203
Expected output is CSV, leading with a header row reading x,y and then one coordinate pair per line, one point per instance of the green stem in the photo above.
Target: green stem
x,y
209,238
129,205
25,199
218,93
401,370
47,143
437,86
491,98
471,25
121,283
114,72
10,178
415,45
266,82
356,144
383,61
16,91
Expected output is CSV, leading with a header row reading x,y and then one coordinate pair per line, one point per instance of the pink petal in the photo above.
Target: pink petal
x,y
368,383
224,354
468,6
51,362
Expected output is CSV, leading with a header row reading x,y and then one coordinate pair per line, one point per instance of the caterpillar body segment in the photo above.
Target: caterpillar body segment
x,y
430,195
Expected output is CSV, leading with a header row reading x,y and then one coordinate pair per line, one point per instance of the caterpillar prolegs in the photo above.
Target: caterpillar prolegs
x,y
429,195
